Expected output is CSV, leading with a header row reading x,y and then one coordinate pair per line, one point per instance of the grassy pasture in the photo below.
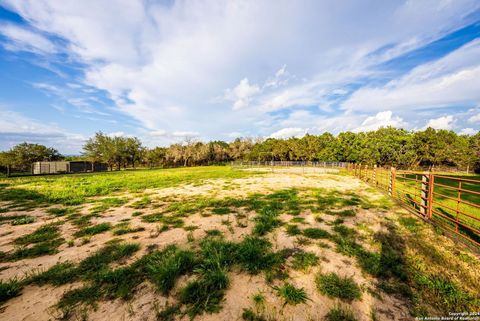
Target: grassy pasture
x,y
76,189
287,239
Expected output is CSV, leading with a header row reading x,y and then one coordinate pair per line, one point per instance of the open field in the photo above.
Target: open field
x,y
212,243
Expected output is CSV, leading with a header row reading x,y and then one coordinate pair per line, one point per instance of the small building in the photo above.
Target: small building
x,y
60,167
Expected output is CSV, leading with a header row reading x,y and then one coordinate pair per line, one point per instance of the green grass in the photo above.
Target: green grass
x,y
61,211
45,240
76,189
23,220
221,210
304,260
335,286
141,203
338,313
291,295
44,233
9,289
255,254
93,230
293,229
315,233
125,228
163,268
206,293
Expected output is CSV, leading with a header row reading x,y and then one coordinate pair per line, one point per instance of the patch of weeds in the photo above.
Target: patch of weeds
x,y
106,203
172,221
190,228
141,203
216,253
88,295
259,300
152,218
254,254
250,315
316,233
102,258
335,286
301,241
168,312
122,229
266,221
24,220
338,313
62,211
344,213
293,229
9,289
214,232
291,294
298,220
60,273
410,223
206,293
137,213
166,266
344,231
44,233
93,230
43,241
319,219
221,210
304,260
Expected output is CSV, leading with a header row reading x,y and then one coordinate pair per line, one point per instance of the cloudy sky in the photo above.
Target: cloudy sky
x,y
167,70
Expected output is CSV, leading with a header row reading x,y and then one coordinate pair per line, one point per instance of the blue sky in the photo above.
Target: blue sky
x,y
167,71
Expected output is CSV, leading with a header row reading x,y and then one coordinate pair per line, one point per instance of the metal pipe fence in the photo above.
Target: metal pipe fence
x,y
448,201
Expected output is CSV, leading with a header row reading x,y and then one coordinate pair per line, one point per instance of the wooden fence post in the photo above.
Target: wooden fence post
x,y
374,175
366,173
391,184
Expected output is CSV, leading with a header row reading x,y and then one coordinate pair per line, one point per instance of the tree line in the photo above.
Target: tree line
x,y
385,147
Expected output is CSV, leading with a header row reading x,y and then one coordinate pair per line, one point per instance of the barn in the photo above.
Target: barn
x,y
60,167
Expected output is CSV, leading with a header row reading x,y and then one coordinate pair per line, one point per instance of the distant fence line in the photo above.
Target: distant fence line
x,y
291,164
448,201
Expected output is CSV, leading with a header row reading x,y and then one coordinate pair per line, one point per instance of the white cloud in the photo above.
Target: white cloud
x,y
468,131
241,94
474,119
15,128
444,122
381,119
22,39
289,132
452,80
162,62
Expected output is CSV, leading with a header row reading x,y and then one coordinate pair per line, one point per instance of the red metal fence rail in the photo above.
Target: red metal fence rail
x,y
451,202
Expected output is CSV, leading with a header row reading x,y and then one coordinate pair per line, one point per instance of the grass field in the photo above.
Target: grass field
x,y
212,243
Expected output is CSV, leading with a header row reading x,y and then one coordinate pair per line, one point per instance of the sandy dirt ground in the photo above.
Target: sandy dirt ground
x,y
36,302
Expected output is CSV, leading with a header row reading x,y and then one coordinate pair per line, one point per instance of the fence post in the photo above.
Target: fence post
x,y
431,187
366,173
424,195
391,184
374,177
